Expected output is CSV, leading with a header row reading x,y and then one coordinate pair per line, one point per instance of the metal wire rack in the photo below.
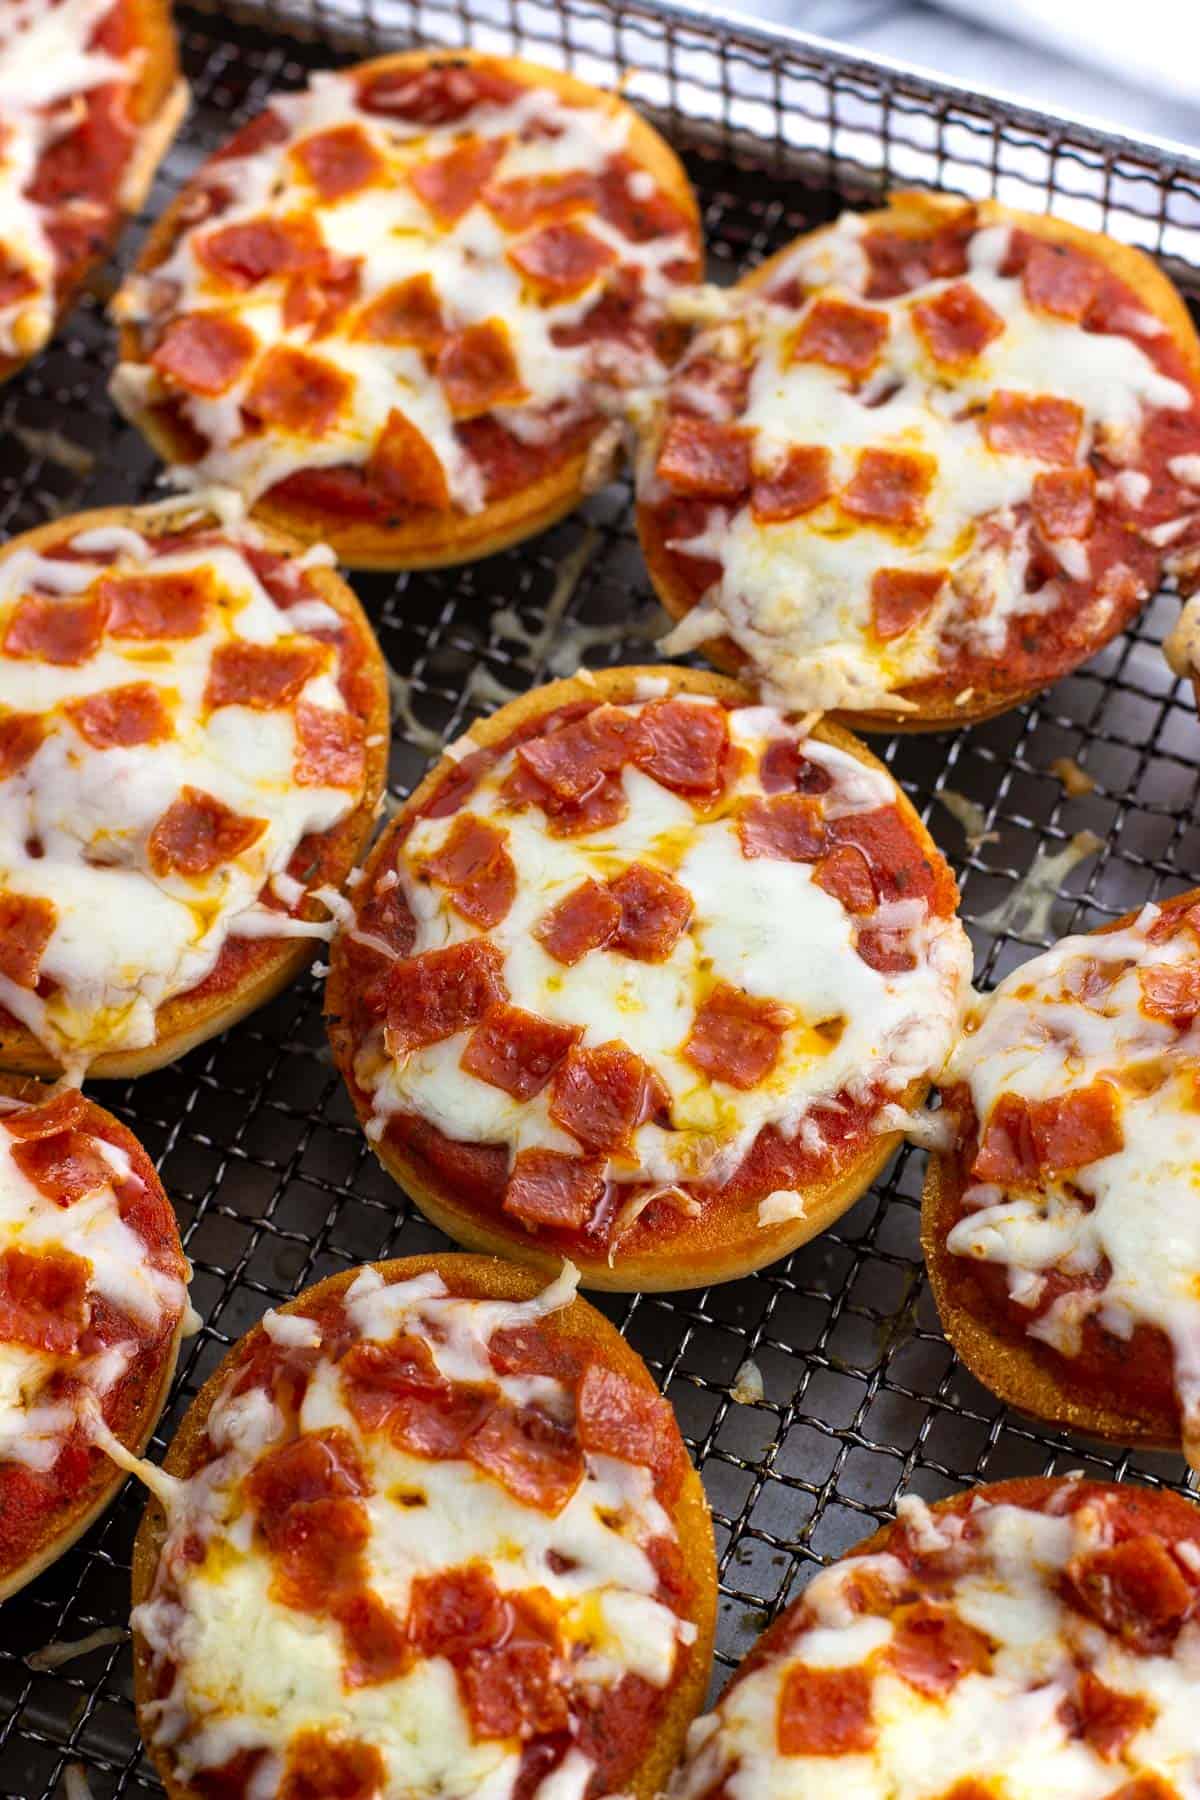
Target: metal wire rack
x,y
861,1397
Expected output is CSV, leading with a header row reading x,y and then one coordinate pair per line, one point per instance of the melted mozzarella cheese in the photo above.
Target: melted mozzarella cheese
x,y
795,595
1033,1037
252,1672
74,822
758,924
394,236
1005,1725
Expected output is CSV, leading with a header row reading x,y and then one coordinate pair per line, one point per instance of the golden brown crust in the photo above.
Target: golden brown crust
x,y
915,214
189,1019
1021,1371
713,1256
99,1493
443,537
483,1278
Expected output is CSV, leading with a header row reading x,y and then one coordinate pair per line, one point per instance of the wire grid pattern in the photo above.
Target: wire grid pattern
x,y
274,1185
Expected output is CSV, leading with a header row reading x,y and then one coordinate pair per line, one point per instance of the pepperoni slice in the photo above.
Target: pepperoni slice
x,y
514,1692
319,296
517,1050
26,927
846,874
605,806
1024,1138
902,597
441,992
450,185
797,485
1038,425
562,259
1108,1719
296,392
474,864
528,199
900,261
957,324
339,162
548,1188
405,468
653,913
205,352
601,1096
257,249
1061,281
154,606
683,744
63,1165
571,761
377,1378
1136,1590
330,748
784,768
261,675
63,632
702,457
407,313
583,921
615,1417
319,1465
47,1119
735,1037
840,335
321,1767
21,737
1170,992
122,716
535,1457
455,1611
375,1642
824,1712
478,371
932,1649
1145,1787
1064,503
43,1298
198,833
783,827
890,487
441,93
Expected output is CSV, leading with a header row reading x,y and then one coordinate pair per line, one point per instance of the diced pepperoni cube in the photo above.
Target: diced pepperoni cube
x,y
516,1692
375,1643
654,912
1007,1153
548,1188
43,1298
902,597
407,313
932,1649
784,827
339,162
21,737
1064,503
1170,991
63,632
527,199
405,468
846,874
517,1050
824,1712
198,833
450,185
601,1096
257,249
478,370
296,392
1136,1590
1037,425
441,992
474,864
735,1037
890,487
535,1457
584,920
318,1551
64,1165
957,324
330,747
121,716
456,1610
155,606
841,335
1060,280
319,297
1072,1130
562,259
683,745
318,1465
900,261
205,352
571,761
1107,1719
600,809
615,1417
797,485
437,93
377,1378
26,927
322,1767
437,1422
262,675
702,457
784,769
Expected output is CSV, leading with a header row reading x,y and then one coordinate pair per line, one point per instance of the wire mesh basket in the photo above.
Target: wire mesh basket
x,y
814,1394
